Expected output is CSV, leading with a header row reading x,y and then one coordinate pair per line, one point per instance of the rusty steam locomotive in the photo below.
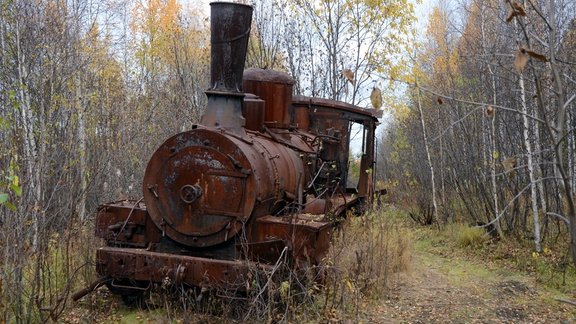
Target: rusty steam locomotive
x,y
264,173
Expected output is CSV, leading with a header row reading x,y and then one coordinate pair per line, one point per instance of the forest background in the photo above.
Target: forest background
x,y
479,123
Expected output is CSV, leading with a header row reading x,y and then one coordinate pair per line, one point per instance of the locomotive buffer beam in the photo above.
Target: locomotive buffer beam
x,y
143,265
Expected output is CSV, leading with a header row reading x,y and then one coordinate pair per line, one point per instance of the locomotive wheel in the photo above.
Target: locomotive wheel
x,y
133,300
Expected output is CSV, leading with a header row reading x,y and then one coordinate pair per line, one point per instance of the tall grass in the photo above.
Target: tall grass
x,y
466,236
365,255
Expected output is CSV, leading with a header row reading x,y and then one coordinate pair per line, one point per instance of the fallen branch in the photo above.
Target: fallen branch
x,y
567,301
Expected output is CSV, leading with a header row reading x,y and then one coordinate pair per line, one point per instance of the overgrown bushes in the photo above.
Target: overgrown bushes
x,y
367,251
37,285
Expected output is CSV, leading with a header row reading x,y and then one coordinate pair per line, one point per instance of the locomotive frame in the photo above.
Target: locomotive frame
x,y
262,176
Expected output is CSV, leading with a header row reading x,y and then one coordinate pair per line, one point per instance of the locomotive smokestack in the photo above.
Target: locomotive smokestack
x,y
230,30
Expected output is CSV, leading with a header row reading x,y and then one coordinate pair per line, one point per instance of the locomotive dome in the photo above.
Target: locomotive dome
x,y
267,75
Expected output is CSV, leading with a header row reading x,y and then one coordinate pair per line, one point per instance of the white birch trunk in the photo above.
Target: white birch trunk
x,y
528,147
82,151
493,158
30,145
538,170
430,165
492,131
529,159
442,185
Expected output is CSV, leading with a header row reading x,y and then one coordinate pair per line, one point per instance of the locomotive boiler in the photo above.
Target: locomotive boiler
x,y
265,174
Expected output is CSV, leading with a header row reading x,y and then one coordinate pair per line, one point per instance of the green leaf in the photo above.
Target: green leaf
x,y
3,198
10,206
16,189
4,124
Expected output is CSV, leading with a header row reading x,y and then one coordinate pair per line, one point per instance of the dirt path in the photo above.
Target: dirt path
x,y
440,290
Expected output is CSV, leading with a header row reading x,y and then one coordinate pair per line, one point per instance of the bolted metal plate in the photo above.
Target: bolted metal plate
x,y
195,188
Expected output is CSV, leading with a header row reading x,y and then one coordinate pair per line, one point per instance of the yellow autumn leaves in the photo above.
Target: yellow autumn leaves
x,y
164,34
375,95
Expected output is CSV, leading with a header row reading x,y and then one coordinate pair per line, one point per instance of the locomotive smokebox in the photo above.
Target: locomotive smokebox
x,y
230,30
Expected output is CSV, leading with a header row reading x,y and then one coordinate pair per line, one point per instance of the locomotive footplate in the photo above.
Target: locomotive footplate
x,y
308,236
143,265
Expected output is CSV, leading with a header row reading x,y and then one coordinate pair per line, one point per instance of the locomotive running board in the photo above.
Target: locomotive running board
x,y
143,265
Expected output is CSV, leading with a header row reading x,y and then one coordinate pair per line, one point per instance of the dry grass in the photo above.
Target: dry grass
x,y
365,254
466,236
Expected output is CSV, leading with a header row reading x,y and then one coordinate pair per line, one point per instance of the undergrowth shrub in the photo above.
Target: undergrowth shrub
x,y
365,254
466,236
37,284
551,267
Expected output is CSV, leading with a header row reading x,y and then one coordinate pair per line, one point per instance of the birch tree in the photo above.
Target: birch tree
x,y
497,109
348,45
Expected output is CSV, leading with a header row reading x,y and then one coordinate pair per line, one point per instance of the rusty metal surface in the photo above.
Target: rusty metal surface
x,y
344,203
307,235
284,168
275,88
318,206
230,29
336,105
224,111
126,222
300,117
142,265
253,112
212,163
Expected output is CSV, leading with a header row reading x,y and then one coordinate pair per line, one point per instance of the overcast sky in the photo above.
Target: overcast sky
x,y
422,9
